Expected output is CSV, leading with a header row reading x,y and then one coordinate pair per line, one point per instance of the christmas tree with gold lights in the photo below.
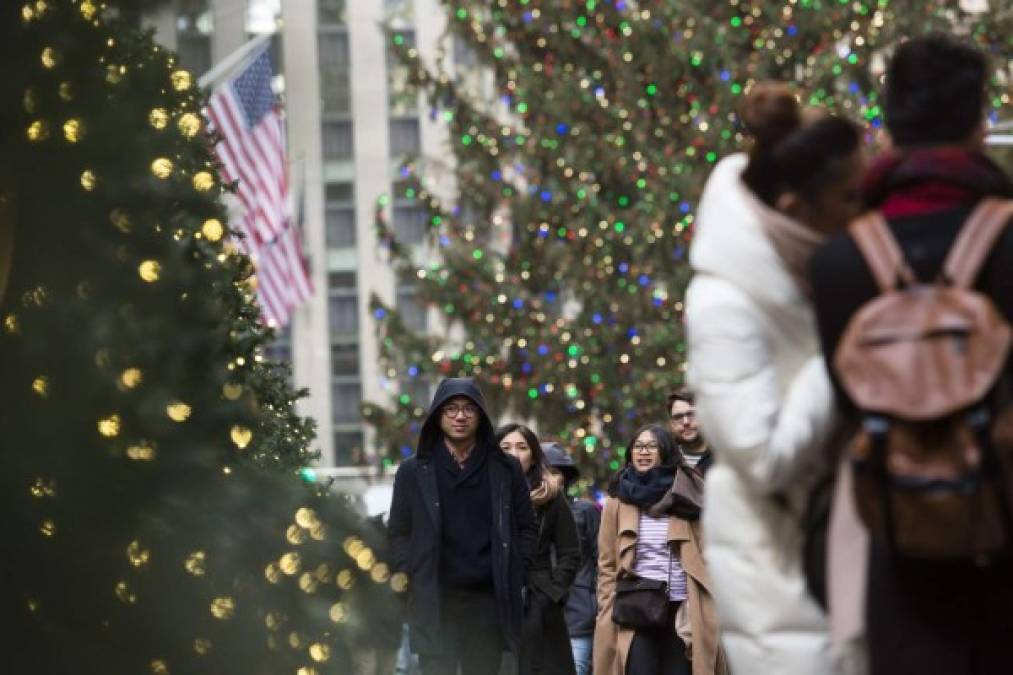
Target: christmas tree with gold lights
x,y
152,509
582,133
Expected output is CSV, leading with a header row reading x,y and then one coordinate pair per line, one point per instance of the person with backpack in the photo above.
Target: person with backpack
x,y
545,644
582,605
914,306
763,396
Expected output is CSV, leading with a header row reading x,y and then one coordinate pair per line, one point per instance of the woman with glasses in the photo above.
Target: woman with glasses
x,y
545,641
650,533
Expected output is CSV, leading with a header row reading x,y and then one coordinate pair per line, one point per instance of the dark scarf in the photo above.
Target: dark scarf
x,y
664,490
930,179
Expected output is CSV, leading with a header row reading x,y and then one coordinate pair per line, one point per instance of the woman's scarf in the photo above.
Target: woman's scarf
x,y
548,487
795,244
663,490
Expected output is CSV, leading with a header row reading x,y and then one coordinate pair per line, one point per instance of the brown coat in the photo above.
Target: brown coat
x,y
617,545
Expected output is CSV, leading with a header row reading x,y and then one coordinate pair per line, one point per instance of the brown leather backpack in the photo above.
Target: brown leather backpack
x,y
925,363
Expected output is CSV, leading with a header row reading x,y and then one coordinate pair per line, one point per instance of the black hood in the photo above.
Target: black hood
x,y
557,458
448,389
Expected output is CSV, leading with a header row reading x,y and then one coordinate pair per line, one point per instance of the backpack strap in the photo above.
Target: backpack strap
x,y
975,240
881,252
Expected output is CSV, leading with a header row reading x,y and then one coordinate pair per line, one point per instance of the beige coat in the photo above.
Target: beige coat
x,y
617,546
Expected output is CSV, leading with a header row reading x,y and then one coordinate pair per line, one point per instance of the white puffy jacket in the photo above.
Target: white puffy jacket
x,y
764,403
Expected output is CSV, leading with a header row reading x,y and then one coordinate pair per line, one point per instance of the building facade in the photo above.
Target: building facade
x,y
352,120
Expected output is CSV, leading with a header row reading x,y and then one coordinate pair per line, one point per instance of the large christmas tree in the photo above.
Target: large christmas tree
x,y
152,510
581,136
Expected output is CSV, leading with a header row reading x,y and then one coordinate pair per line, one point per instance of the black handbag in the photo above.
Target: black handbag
x,y
641,603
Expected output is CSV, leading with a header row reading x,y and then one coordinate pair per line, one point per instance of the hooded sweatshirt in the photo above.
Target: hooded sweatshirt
x,y
466,508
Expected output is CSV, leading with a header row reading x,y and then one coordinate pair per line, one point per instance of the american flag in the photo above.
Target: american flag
x,y
252,151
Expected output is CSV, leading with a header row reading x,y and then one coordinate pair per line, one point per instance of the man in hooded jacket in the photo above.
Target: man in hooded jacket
x,y
463,529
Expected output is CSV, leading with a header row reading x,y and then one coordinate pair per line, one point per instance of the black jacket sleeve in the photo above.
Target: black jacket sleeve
x,y
524,515
567,544
399,525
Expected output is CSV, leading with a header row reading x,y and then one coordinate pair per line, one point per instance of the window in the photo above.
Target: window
x,y
339,192
409,223
340,222
339,215
348,448
194,26
344,360
404,137
413,312
335,72
337,139
331,12
343,305
343,313
346,395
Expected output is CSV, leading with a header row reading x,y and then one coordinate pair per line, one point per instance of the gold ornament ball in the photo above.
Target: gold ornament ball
x,y
212,229
203,181
241,436
158,667
88,9
158,118
178,411
109,426
162,167
150,271
50,58
38,131
130,378
290,563
181,80
338,613
48,527
138,555
202,646
223,608
141,452
73,130
320,652
66,91
195,563
189,124
40,386
88,180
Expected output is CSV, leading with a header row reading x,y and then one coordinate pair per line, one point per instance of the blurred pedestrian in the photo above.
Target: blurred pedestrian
x,y
545,647
463,529
683,425
582,605
763,396
925,616
655,614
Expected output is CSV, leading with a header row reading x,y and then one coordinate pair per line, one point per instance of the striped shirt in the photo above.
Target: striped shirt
x,y
653,556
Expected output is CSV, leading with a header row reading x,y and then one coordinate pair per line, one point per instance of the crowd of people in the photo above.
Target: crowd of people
x,y
843,505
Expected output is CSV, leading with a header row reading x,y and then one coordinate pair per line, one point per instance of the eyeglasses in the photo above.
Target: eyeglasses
x,y
452,411
684,416
644,447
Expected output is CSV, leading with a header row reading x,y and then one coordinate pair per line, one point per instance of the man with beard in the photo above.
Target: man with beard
x,y
682,422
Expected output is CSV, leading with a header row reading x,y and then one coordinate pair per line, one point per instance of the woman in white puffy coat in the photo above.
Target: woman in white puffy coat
x,y
763,397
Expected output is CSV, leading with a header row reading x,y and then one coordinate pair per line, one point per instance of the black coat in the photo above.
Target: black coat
x,y
545,648
582,607
415,523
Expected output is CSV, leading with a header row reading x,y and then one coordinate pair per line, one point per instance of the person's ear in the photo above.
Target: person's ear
x,y
790,204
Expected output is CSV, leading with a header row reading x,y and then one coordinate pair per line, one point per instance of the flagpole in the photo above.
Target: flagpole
x,y
232,60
